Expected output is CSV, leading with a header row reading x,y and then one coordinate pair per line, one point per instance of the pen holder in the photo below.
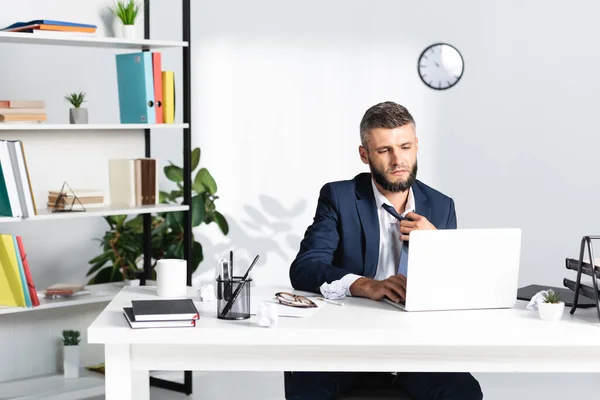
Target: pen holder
x,y
236,291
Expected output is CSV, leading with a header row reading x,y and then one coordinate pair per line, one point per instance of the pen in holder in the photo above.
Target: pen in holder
x,y
225,309
236,306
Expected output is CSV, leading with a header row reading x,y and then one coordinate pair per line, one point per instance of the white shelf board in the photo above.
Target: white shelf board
x,y
99,293
85,127
87,41
56,386
46,214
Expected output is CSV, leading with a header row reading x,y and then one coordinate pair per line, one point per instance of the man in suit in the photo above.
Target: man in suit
x,y
360,237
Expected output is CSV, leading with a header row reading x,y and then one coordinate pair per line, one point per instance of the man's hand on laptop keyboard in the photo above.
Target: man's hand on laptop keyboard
x,y
394,288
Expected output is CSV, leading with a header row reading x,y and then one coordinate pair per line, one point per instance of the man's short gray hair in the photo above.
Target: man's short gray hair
x,y
384,115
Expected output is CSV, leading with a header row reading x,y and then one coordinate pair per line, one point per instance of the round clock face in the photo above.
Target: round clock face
x,y
440,66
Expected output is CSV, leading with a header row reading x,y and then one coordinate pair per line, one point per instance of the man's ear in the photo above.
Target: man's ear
x,y
364,156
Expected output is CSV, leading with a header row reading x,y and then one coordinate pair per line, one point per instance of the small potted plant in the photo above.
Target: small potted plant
x,y
71,353
551,309
127,11
77,115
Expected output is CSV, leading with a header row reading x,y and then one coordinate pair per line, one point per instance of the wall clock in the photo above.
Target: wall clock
x,y
440,66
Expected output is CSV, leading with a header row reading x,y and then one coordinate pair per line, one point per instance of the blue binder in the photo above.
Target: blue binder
x,y
136,88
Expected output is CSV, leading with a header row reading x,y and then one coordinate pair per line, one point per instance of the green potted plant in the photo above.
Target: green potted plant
x,y
77,115
127,12
71,339
122,244
552,308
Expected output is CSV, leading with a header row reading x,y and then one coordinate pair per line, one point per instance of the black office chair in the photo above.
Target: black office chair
x,y
376,387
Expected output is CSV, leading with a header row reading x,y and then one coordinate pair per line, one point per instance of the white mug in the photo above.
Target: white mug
x,y
171,278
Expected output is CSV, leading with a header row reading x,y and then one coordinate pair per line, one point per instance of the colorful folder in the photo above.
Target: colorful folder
x,y
136,88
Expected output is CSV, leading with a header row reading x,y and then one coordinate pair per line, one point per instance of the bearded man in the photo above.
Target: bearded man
x,y
360,237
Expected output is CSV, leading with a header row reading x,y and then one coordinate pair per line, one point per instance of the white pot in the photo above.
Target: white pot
x,y
550,311
131,282
71,361
128,31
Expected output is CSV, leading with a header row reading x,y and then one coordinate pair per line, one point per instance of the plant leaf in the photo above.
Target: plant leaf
x,y
174,173
195,158
197,210
197,255
163,197
207,180
104,257
222,222
95,268
175,221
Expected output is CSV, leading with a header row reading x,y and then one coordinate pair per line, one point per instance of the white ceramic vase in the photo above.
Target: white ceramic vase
x,y
551,311
128,31
71,361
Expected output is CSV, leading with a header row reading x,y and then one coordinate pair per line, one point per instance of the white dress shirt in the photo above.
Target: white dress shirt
x,y
389,239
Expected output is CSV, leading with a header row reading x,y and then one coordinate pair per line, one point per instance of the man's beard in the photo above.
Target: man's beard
x,y
398,186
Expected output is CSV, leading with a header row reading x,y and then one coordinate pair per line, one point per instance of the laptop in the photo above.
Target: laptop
x,y
462,269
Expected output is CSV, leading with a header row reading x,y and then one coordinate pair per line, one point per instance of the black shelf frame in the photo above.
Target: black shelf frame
x,y
186,386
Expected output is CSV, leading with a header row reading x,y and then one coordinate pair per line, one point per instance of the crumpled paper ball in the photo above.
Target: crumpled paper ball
x,y
207,293
536,299
333,291
268,314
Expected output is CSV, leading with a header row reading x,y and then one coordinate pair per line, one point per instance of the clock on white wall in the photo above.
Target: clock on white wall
x,y
440,66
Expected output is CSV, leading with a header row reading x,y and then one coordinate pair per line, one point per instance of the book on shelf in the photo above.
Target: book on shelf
x,y
135,324
133,182
63,289
146,93
16,284
51,28
88,198
22,111
16,194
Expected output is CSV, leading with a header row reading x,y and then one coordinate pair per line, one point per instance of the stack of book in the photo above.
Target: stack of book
x,y
16,195
146,92
133,182
16,284
176,313
21,111
88,198
51,28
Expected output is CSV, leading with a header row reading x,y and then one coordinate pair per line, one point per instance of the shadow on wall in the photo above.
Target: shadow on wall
x,y
266,231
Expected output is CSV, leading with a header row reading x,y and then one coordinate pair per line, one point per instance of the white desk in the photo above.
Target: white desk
x,y
363,335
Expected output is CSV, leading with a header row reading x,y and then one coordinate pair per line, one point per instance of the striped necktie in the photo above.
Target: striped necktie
x,y
403,263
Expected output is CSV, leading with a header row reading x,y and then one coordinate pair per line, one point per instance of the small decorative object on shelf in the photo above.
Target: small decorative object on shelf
x,y
71,341
65,202
127,11
77,115
551,308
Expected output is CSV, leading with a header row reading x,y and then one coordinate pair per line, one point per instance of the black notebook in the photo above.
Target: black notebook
x,y
128,313
164,310
566,295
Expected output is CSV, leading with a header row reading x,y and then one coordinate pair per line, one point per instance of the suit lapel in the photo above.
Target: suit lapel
x,y
422,206
367,212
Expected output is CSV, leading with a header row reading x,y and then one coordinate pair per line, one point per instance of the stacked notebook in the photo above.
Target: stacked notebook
x,y
177,313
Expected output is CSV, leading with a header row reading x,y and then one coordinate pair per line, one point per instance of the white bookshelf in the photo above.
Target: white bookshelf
x,y
53,387
101,293
85,127
87,41
46,214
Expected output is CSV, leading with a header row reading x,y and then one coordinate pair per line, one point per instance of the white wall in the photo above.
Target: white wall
x,y
280,88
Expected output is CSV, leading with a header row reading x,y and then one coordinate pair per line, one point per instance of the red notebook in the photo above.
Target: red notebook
x,y
158,92
32,292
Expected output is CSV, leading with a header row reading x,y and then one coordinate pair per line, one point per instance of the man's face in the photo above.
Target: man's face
x,y
392,157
